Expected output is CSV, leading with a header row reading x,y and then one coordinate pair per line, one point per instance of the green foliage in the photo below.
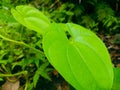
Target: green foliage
x,y
79,54
21,53
102,15
93,14
103,11
88,22
64,14
41,71
106,15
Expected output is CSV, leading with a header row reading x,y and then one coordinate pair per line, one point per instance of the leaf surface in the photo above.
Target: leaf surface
x,y
116,83
83,61
31,18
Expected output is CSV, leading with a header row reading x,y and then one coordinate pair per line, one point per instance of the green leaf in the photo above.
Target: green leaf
x,y
83,61
1,79
116,83
41,71
36,78
31,18
30,86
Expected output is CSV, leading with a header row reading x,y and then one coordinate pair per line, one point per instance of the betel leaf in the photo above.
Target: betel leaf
x,y
31,18
83,61
116,83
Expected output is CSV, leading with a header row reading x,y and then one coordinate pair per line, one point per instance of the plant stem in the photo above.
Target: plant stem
x,y
26,85
21,43
12,75
3,66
